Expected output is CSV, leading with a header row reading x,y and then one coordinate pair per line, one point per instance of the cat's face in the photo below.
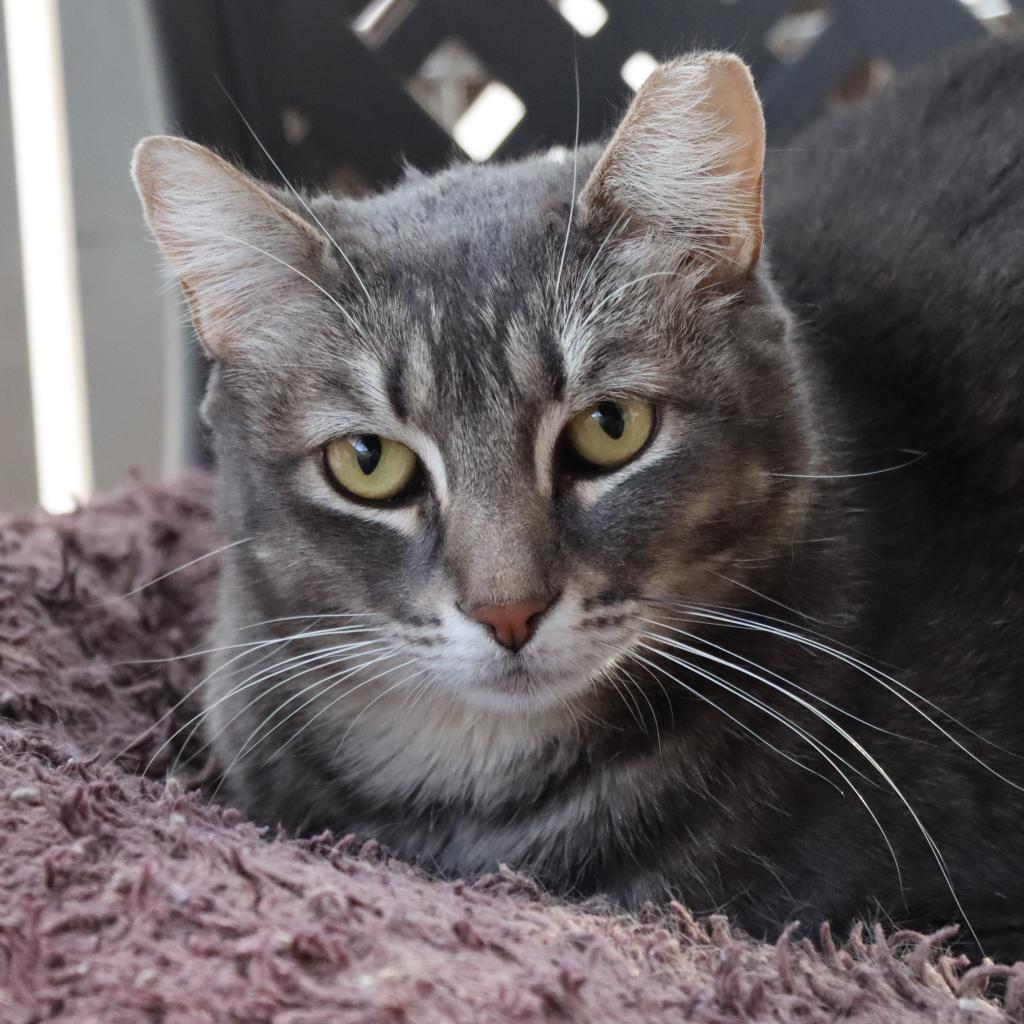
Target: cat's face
x,y
500,434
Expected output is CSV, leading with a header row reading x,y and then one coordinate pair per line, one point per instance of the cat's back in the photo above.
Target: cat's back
x,y
898,233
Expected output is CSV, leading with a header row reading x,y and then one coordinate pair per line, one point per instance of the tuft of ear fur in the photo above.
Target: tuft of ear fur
x,y
236,249
687,162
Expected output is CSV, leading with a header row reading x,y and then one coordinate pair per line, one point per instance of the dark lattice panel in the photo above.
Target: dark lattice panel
x,y
341,92
328,100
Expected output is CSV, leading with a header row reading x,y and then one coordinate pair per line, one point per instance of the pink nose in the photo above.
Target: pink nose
x,y
511,624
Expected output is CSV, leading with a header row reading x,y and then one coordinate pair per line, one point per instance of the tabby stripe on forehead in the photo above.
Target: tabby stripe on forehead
x,y
553,361
394,384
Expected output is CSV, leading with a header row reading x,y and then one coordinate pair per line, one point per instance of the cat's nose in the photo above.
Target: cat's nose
x,y
512,624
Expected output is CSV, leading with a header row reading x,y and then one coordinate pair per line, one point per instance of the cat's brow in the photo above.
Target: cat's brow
x,y
633,379
553,361
321,423
395,386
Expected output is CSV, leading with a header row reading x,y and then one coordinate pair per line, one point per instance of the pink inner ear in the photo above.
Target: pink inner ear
x,y
686,163
732,101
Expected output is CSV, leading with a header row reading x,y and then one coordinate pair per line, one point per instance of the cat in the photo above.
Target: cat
x,y
570,534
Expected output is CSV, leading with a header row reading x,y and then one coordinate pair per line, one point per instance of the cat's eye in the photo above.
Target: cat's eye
x,y
609,434
372,467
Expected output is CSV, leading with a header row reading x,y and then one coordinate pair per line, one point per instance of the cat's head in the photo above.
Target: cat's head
x,y
503,410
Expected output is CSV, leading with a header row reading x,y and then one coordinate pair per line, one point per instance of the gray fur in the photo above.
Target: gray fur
x,y
466,328
594,761
435,318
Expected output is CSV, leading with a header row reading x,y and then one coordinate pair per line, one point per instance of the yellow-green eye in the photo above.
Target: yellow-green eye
x,y
610,433
371,467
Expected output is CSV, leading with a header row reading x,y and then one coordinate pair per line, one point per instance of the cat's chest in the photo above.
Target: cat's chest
x,y
466,799
440,753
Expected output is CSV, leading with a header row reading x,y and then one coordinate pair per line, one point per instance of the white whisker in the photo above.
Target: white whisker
x,y
857,745
295,618
382,694
589,273
251,680
172,572
296,193
850,476
305,277
254,739
252,645
250,648
629,680
414,697
775,675
764,597
633,709
830,755
575,168
322,689
301,661
292,669
814,743
889,683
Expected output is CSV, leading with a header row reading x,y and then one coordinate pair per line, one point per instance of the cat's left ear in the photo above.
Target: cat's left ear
x,y
686,164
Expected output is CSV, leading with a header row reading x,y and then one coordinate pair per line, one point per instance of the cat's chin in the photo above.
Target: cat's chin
x,y
518,690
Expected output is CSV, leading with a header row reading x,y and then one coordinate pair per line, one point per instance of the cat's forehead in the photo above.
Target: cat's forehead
x,y
459,268
467,227
445,359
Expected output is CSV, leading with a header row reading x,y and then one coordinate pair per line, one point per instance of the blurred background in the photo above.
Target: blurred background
x,y
99,374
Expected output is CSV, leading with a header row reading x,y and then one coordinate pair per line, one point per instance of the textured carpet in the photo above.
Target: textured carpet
x,y
127,899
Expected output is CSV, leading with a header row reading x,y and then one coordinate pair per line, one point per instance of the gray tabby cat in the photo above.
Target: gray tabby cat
x,y
529,470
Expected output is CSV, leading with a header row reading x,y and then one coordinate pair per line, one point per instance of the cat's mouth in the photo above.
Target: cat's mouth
x,y
516,677
524,683
565,658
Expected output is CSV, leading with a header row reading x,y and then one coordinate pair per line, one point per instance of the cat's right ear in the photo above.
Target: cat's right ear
x,y
238,251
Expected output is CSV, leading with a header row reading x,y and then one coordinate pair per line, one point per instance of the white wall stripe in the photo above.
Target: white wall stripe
x,y
49,270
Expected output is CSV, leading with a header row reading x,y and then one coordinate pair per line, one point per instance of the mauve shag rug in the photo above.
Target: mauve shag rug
x,y
124,899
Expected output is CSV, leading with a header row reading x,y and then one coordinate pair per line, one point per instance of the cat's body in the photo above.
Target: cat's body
x,y
858,481
898,232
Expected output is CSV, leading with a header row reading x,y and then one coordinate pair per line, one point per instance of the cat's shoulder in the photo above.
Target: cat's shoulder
x,y
897,231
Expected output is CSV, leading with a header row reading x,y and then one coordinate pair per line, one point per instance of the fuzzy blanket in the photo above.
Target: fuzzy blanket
x,y
129,899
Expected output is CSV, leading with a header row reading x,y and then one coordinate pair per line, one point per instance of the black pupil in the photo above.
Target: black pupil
x,y
367,448
610,419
